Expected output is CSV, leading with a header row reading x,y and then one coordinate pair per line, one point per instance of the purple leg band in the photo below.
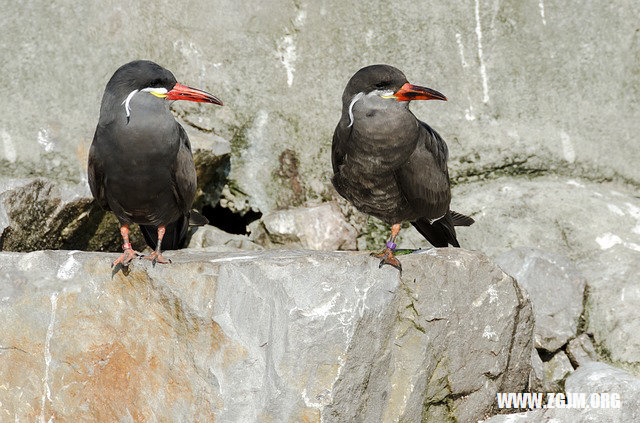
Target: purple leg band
x,y
391,245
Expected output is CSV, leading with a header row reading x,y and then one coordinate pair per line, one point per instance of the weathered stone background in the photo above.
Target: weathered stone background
x,y
534,87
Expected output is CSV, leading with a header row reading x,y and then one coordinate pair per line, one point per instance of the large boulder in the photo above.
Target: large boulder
x,y
259,336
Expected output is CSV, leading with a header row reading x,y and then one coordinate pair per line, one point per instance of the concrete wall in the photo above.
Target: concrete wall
x,y
536,86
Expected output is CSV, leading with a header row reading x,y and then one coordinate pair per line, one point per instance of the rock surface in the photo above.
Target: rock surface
x,y
595,225
211,238
320,227
260,336
40,213
536,378
556,371
556,291
212,158
590,378
581,351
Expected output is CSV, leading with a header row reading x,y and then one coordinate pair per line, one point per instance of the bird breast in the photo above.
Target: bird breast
x,y
384,132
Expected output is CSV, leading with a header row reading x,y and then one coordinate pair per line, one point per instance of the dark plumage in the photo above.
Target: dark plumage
x,y
388,163
140,162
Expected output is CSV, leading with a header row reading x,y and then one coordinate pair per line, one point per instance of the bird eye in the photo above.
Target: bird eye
x,y
382,84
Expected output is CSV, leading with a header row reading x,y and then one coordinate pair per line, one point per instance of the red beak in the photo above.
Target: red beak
x,y
410,92
182,92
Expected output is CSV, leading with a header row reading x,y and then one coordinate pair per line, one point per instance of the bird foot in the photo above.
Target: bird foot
x,y
126,257
156,257
387,257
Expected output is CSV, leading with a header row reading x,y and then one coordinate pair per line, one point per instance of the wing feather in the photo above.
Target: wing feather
x,y
183,172
424,178
96,175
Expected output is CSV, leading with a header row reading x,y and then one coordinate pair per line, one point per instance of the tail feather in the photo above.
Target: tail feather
x,y
174,237
442,233
176,234
196,219
460,219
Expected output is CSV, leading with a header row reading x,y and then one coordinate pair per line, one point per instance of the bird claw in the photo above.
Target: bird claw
x,y
389,258
126,257
156,257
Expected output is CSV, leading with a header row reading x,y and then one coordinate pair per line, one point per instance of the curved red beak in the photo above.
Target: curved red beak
x,y
410,92
182,92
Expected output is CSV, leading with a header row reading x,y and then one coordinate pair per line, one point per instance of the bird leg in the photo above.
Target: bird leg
x,y
386,255
156,256
129,253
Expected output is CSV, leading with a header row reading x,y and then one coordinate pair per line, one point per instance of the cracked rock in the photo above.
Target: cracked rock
x,y
595,225
556,291
259,336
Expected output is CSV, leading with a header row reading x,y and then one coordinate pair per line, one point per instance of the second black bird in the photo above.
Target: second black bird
x,y
388,163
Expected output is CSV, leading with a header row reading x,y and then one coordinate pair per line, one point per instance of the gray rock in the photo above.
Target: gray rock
x,y
556,291
320,227
597,226
259,336
536,379
580,350
603,378
526,417
556,371
590,378
213,239
281,77
614,299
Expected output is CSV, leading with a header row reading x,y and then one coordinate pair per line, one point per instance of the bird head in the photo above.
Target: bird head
x,y
149,78
385,83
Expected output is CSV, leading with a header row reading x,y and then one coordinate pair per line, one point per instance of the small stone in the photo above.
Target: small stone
x,y
580,350
555,372
320,227
214,239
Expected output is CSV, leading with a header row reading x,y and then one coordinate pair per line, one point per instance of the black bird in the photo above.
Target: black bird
x,y
388,163
140,162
